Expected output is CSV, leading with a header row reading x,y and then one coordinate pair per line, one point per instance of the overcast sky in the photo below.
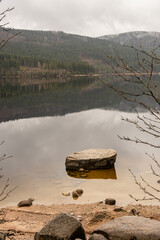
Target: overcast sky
x,y
85,17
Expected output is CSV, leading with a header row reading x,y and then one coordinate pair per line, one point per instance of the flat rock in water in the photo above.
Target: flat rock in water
x,y
91,159
129,227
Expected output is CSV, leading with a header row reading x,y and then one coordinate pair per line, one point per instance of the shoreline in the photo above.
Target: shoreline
x,y
25,221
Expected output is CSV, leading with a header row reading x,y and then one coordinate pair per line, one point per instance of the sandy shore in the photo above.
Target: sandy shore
x,y
22,223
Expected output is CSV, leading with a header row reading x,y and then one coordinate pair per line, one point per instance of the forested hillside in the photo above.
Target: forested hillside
x,y
51,51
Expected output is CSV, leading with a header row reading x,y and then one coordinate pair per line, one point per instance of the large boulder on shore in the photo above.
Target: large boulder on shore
x,y
127,228
91,159
63,226
2,236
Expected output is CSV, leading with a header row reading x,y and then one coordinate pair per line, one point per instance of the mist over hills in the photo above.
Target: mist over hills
x,y
136,38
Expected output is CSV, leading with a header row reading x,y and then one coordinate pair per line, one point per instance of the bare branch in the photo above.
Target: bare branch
x,y
137,140
140,85
3,43
5,192
144,190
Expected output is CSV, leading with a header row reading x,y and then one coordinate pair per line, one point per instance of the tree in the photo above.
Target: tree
x,y
4,27
5,191
140,85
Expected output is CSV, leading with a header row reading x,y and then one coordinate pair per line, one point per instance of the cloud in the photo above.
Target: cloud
x,y
91,17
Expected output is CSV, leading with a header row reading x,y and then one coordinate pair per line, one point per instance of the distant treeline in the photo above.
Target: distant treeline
x,y
10,64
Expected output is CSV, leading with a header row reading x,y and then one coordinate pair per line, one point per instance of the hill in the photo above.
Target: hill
x,y
57,50
137,38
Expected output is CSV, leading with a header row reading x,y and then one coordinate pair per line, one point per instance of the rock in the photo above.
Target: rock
x,y
134,212
79,191
118,209
129,227
10,233
96,236
91,159
81,170
63,227
75,195
83,175
72,214
98,216
66,194
158,181
72,174
25,203
2,236
110,201
79,218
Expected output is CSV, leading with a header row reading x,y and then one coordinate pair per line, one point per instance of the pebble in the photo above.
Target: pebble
x,y
72,214
75,195
81,170
66,194
134,212
25,203
79,218
79,191
158,181
110,201
72,174
118,209
83,175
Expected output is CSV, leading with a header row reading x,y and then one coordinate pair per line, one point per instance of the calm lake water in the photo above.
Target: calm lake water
x,y
40,145
54,121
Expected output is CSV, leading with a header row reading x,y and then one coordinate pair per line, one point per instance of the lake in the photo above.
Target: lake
x,y
39,146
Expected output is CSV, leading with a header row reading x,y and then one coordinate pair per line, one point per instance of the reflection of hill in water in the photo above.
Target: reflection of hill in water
x,y
53,98
94,174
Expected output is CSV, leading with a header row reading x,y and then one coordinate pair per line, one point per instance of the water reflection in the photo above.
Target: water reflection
x,y
39,147
56,98
94,174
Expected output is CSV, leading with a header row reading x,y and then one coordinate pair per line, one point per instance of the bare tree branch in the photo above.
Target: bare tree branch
x,y
140,86
150,195
5,191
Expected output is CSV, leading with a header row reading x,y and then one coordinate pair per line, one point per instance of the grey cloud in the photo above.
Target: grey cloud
x,y
91,17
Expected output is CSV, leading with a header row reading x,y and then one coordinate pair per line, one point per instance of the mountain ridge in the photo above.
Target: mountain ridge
x,y
147,38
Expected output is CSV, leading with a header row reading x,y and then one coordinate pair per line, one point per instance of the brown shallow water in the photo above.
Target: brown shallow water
x,y
94,174
40,145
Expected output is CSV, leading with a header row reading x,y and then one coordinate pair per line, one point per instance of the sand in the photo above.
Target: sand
x,y
22,223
